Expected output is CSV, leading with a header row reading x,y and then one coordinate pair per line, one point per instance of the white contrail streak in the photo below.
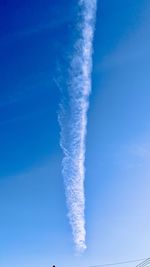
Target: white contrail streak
x,y
73,120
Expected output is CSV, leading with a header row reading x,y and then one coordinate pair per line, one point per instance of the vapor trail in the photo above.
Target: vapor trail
x,y
73,119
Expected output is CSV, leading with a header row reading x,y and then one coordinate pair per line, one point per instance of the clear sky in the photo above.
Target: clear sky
x,y
34,44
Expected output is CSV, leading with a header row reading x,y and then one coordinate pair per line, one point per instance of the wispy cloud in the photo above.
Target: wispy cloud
x,y
73,120
34,30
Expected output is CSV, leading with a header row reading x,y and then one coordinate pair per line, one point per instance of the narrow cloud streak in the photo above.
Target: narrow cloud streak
x,y
73,120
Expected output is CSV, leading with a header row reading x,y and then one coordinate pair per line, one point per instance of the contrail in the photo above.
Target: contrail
x,y
73,120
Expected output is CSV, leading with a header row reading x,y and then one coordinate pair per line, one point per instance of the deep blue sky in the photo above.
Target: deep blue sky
x,y
35,41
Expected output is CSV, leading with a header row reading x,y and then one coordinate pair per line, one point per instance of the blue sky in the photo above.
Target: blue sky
x,y
35,42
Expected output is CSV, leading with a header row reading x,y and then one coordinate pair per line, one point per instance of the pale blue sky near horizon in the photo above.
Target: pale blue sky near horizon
x,y
34,228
